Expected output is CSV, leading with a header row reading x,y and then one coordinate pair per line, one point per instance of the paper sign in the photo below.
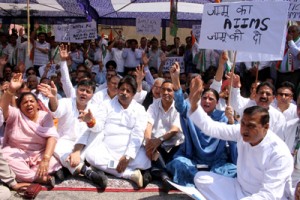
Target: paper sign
x,y
145,26
170,61
61,33
83,31
252,56
75,32
244,26
196,30
191,191
294,10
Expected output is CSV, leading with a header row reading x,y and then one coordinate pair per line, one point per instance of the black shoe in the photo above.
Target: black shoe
x,y
166,186
147,178
59,175
98,178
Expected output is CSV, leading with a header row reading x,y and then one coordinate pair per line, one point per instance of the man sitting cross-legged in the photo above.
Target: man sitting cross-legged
x,y
74,119
163,134
117,149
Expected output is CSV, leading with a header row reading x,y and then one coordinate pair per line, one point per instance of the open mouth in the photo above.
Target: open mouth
x,y
264,100
29,109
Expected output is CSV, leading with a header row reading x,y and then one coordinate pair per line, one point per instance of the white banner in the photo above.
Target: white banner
x,y
83,31
294,10
75,32
145,26
196,30
170,61
252,56
61,33
244,26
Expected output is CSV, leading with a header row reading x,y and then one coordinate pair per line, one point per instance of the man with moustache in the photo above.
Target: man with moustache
x,y
163,134
264,97
264,165
119,140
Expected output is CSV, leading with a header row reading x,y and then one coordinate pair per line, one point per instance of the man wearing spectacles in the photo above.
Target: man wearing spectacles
x,y
289,68
283,101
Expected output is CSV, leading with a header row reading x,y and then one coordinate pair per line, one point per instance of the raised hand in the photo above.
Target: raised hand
x,y
49,91
63,52
229,113
145,59
236,83
175,70
196,88
223,58
140,74
15,82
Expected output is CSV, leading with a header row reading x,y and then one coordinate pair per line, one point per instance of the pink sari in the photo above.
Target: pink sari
x,y
25,143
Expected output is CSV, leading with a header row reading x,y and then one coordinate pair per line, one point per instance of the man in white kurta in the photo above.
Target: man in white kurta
x,y
284,100
108,93
264,97
264,164
292,139
119,152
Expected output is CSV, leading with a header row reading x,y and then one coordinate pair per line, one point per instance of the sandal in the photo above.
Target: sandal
x,y
29,192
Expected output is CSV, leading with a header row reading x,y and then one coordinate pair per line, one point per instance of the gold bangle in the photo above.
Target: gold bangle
x,y
47,157
10,93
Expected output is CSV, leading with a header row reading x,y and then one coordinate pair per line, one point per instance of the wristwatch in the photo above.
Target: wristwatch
x,y
161,139
127,157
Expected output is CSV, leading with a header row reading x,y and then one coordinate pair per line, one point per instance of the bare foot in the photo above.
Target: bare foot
x,y
19,185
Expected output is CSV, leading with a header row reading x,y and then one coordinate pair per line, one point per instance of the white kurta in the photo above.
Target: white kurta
x,y
277,120
290,113
263,171
101,97
71,130
123,134
290,135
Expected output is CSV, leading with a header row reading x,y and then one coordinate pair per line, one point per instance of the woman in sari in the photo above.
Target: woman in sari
x,y
199,151
29,137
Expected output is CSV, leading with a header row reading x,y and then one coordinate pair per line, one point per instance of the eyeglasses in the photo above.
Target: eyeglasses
x,y
284,94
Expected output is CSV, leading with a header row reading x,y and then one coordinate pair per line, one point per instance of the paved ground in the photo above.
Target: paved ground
x,y
71,195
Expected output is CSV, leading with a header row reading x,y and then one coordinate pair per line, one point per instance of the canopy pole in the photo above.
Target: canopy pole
x,y
28,29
